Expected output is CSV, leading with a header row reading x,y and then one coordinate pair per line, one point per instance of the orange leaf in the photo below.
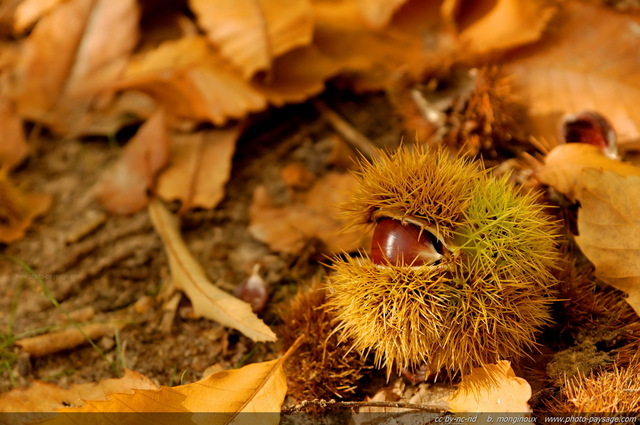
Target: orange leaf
x,y
498,25
492,388
564,164
29,11
288,228
610,230
44,397
378,13
251,33
124,188
208,300
191,80
587,61
200,167
73,51
13,148
18,209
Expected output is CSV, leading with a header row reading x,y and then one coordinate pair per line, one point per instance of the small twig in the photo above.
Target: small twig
x,y
346,130
340,405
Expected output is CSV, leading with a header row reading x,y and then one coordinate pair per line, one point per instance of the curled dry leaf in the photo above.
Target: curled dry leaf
x,y
502,24
564,164
609,228
200,167
125,187
13,148
44,397
288,228
73,51
587,60
492,388
252,33
189,79
229,396
18,209
187,275
29,11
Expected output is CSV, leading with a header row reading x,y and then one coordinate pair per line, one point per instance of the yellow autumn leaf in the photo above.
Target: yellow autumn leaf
x,y
187,275
564,164
45,397
609,228
249,395
200,167
250,33
492,388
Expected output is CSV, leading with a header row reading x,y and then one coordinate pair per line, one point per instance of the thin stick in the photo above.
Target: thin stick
x,y
347,131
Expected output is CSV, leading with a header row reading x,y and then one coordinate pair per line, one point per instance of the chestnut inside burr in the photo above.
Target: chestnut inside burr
x,y
400,243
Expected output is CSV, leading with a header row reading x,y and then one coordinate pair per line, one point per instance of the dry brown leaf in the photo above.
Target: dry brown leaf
x,y
498,25
124,188
609,228
55,342
44,397
13,148
18,209
74,50
564,164
297,75
413,40
289,228
493,388
588,60
187,275
29,11
200,167
232,396
189,79
252,33
378,13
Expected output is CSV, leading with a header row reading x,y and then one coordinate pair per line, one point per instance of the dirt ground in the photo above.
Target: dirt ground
x,y
116,272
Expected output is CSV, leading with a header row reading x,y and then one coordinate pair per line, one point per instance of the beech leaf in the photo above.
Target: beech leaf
x,y
73,51
189,79
251,33
187,275
564,164
13,148
492,388
124,188
587,60
609,228
200,167
18,209
45,397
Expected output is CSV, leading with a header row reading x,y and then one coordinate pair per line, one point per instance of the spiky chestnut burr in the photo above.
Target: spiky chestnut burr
x,y
471,285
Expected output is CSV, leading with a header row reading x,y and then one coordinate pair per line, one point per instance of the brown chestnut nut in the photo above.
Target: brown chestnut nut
x,y
398,243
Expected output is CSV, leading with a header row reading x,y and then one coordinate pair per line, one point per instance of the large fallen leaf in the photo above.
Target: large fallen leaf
x,y
44,397
124,188
564,164
251,33
189,79
494,388
13,148
250,395
288,228
588,60
609,227
498,25
73,51
187,275
18,209
199,168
